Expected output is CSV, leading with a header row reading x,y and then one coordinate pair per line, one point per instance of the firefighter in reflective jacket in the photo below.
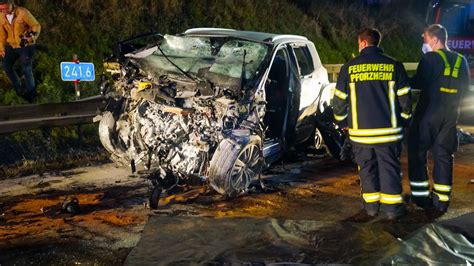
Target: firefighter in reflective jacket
x,y
374,94
443,78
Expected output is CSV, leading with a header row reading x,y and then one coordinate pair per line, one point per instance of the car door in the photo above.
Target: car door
x,y
313,77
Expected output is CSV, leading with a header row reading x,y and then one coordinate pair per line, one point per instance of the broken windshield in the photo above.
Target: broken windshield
x,y
204,57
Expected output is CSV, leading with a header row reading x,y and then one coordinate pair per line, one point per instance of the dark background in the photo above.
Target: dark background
x,y
90,28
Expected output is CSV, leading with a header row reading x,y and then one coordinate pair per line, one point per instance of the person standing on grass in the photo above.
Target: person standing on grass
x,y
19,31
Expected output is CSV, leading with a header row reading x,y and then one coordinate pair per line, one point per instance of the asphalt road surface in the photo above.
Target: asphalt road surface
x,y
317,195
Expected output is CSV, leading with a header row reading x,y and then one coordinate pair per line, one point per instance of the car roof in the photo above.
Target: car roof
x,y
248,35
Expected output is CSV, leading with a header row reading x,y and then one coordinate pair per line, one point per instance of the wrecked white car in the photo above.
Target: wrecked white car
x,y
216,104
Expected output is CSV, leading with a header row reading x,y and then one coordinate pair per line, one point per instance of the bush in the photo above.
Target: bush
x,y
90,29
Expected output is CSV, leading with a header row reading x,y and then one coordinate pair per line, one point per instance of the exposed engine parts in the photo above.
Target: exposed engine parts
x,y
171,124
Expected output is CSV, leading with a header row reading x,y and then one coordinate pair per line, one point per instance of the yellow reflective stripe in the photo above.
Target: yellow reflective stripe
x,y
420,184
403,91
355,123
340,94
420,193
391,198
376,140
374,131
144,85
442,197
442,188
340,117
456,66
406,116
447,66
391,99
371,197
448,90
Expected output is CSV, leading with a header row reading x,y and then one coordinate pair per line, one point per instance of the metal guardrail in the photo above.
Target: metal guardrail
x,y
333,69
34,116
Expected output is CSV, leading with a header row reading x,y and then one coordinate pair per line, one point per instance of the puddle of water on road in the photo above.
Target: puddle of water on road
x,y
167,240
418,237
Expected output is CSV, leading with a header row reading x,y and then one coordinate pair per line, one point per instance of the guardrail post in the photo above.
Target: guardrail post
x,y
75,59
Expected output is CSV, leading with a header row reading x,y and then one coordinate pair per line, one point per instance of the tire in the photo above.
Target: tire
x,y
108,138
315,141
318,139
333,136
333,139
106,129
235,165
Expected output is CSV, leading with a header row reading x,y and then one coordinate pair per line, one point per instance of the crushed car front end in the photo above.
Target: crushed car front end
x,y
188,106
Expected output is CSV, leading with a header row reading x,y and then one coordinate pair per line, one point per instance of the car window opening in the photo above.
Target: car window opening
x,y
276,92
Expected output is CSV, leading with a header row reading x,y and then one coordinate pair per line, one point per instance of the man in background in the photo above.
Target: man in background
x,y
19,31
443,78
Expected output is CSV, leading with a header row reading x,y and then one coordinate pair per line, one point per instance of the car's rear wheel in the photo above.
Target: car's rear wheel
x,y
333,138
318,139
235,165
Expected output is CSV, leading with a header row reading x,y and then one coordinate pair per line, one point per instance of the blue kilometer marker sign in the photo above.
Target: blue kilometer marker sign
x,y
71,71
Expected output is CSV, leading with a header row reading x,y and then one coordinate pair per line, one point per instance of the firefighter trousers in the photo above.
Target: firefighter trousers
x,y
442,140
380,176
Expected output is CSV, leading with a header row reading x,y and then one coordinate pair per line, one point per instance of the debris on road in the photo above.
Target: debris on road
x,y
70,205
319,196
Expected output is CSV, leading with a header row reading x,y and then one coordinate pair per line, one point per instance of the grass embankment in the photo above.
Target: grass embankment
x,y
43,151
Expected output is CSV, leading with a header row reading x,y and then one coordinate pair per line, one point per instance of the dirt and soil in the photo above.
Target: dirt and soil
x,y
113,208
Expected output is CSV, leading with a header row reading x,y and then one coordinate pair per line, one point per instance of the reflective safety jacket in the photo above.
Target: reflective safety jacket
x,y
443,78
374,94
